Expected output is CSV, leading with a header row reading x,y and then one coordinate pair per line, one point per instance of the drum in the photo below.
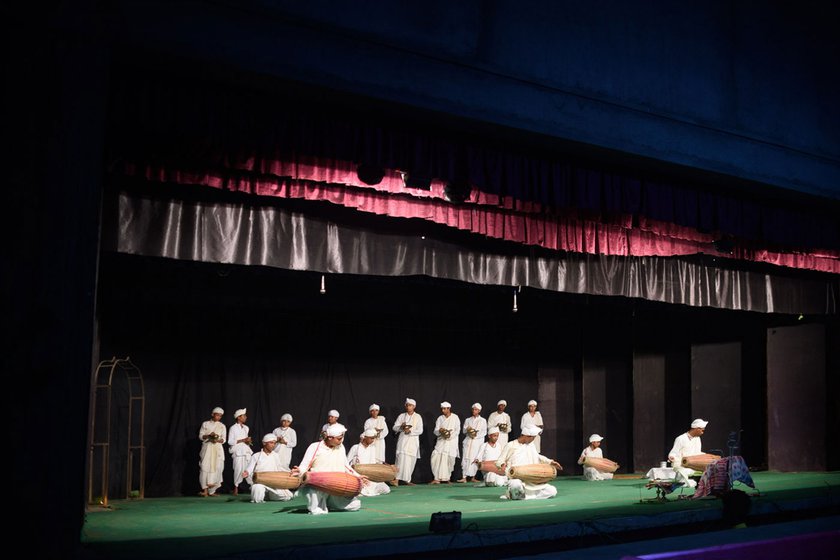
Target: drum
x,y
699,462
377,473
339,484
277,480
601,465
490,466
533,474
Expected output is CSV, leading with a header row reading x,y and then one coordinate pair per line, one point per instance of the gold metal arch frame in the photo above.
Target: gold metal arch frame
x,y
99,438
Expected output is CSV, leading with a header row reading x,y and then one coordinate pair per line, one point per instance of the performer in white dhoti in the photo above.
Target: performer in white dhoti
x,y
332,419
327,456
365,453
685,445
266,460
519,452
474,430
212,456
378,423
491,450
501,419
593,450
446,444
409,426
286,441
239,446
533,418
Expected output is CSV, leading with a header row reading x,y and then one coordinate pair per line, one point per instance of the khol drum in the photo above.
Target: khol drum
x,y
277,480
339,484
533,474
377,473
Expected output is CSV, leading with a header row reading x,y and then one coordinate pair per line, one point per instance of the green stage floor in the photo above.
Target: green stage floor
x,y
194,527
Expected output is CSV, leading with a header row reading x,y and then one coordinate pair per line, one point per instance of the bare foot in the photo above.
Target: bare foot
x,y
410,484
461,481
203,493
435,482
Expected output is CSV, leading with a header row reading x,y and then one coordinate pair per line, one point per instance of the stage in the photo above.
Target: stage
x,y
582,514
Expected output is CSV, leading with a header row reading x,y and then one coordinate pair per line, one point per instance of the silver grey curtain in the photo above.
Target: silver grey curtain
x,y
253,234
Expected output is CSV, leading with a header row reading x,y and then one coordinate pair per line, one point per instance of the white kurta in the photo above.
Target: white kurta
x,y
446,450
590,473
535,420
321,458
516,454
408,445
471,445
284,450
266,462
381,426
212,456
684,446
498,419
491,452
241,452
361,455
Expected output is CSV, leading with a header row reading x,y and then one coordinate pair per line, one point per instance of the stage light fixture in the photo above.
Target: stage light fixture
x,y
370,174
515,306
415,181
445,522
323,285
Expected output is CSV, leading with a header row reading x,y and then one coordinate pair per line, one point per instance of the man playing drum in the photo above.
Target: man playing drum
x,y
490,451
266,460
593,450
520,452
685,445
365,453
325,457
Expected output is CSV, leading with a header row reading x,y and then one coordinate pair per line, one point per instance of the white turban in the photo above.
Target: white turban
x,y
269,437
333,412
532,402
530,430
503,401
445,404
595,437
286,416
493,430
477,405
411,401
699,423
240,412
374,406
218,410
370,432
336,430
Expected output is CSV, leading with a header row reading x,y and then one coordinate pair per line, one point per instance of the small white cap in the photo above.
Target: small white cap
x,y
532,402
374,406
699,423
595,437
240,412
530,431
411,401
336,430
370,432
477,405
445,404
218,410
286,416
269,437
333,412
503,401
493,430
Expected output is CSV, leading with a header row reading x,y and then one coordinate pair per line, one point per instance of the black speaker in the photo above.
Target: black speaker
x,y
444,522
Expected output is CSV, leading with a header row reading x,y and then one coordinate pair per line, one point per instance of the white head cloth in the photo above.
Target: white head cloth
x,y
532,402
445,404
374,406
269,437
477,405
411,401
370,432
699,423
218,410
503,401
333,412
493,430
595,437
240,412
530,431
286,416
336,430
